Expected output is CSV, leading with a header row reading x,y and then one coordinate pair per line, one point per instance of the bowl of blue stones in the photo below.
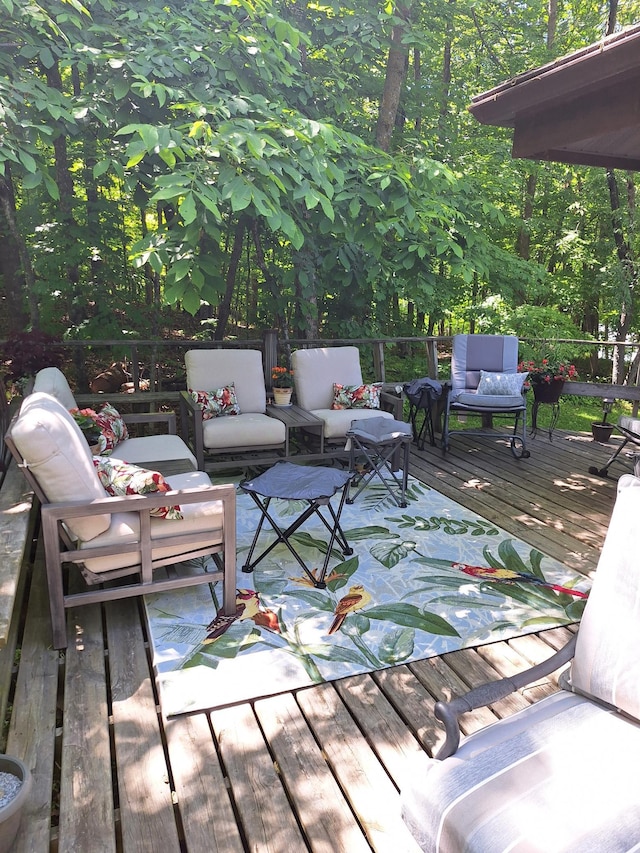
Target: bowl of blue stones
x,y
15,784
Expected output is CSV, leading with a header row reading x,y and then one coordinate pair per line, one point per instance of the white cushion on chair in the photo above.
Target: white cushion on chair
x,y
338,421
607,660
208,369
558,776
58,456
315,371
154,448
245,430
52,381
125,527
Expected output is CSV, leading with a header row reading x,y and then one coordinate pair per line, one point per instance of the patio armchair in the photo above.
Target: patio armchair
x,y
225,404
316,374
126,538
485,383
138,450
560,774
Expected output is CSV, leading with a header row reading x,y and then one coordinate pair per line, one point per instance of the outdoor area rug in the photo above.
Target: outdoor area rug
x,y
422,581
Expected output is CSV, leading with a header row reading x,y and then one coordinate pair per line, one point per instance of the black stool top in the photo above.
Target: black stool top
x,y
298,482
380,430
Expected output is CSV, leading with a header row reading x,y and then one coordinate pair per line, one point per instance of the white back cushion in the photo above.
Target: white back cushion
x,y
58,456
607,662
208,369
53,381
316,370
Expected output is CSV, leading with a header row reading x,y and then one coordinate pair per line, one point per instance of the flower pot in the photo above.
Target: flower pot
x,y
282,396
548,392
11,810
601,431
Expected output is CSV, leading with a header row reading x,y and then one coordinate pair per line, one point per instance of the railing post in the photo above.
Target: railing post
x,y
269,353
378,361
431,350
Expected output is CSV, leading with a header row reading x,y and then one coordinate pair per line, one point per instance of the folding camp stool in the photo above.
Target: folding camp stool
x,y
384,445
315,485
630,429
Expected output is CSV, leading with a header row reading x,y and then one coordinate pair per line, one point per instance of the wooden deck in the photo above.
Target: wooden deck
x,y
319,769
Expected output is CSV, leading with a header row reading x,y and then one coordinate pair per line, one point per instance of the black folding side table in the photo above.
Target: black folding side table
x,y
314,485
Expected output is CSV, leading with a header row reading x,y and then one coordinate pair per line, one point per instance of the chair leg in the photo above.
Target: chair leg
x,y
54,580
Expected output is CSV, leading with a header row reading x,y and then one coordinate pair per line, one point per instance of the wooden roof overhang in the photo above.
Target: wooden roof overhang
x,y
583,108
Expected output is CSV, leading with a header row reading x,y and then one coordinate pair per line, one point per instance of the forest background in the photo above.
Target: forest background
x,y
219,168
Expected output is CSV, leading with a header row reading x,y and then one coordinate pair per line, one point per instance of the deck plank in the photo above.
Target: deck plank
x,y
203,799
32,731
145,800
268,823
328,823
370,792
86,795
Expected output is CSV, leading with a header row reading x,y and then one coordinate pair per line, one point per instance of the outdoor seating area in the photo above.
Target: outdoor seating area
x,y
318,768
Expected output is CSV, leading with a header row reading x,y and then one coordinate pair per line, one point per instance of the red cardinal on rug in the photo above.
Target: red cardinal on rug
x,y
355,599
247,607
487,573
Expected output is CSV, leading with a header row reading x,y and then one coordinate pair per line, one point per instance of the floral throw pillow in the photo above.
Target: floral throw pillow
x,y
216,403
501,384
356,396
120,478
111,425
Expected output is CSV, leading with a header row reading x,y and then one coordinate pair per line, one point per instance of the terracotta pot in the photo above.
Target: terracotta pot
x,y
282,396
11,813
548,392
601,431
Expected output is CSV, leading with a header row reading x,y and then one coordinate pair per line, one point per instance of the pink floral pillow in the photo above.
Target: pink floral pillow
x,y
111,424
216,403
120,478
356,396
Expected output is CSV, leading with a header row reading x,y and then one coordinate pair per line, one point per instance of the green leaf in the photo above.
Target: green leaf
x,y
390,553
411,617
28,161
120,89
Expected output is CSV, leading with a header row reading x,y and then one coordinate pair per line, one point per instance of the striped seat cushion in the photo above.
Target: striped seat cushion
x,y
559,776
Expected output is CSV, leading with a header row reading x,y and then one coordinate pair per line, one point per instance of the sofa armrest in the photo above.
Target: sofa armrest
x,y
168,418
392,403
191,427
487,694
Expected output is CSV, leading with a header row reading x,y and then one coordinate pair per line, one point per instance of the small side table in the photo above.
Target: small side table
x,y
378,440
294,417
314,485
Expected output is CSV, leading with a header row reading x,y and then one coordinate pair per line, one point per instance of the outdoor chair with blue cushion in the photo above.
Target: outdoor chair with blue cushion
x,y
485,383
226,399
328,383
560,775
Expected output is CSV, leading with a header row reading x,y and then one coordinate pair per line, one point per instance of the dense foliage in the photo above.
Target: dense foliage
x,y
312,167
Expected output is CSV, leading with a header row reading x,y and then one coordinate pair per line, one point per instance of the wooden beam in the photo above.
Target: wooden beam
x,y
585,118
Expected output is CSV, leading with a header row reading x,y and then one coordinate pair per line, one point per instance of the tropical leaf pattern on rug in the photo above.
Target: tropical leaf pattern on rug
x,y
422,580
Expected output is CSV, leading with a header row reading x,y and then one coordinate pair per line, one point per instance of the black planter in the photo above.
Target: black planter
x,y
547,392
601,431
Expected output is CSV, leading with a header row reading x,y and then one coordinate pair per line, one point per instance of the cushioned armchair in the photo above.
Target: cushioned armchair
x,y
126,537
148,448
561,775
317,371
227,409
485,383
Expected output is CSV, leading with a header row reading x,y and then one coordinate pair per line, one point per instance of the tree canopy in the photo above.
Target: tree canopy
x,y
306,166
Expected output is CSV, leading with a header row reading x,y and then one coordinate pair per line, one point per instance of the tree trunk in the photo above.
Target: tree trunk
x,y
629,276
224,308
394,80
13,241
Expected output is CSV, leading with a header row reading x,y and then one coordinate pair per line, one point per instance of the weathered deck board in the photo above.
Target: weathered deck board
x,y
86,794
317,770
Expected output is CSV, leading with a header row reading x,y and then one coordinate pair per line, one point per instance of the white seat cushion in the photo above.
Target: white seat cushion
x,y
154,448
559,776
248,429
338,421
125,527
